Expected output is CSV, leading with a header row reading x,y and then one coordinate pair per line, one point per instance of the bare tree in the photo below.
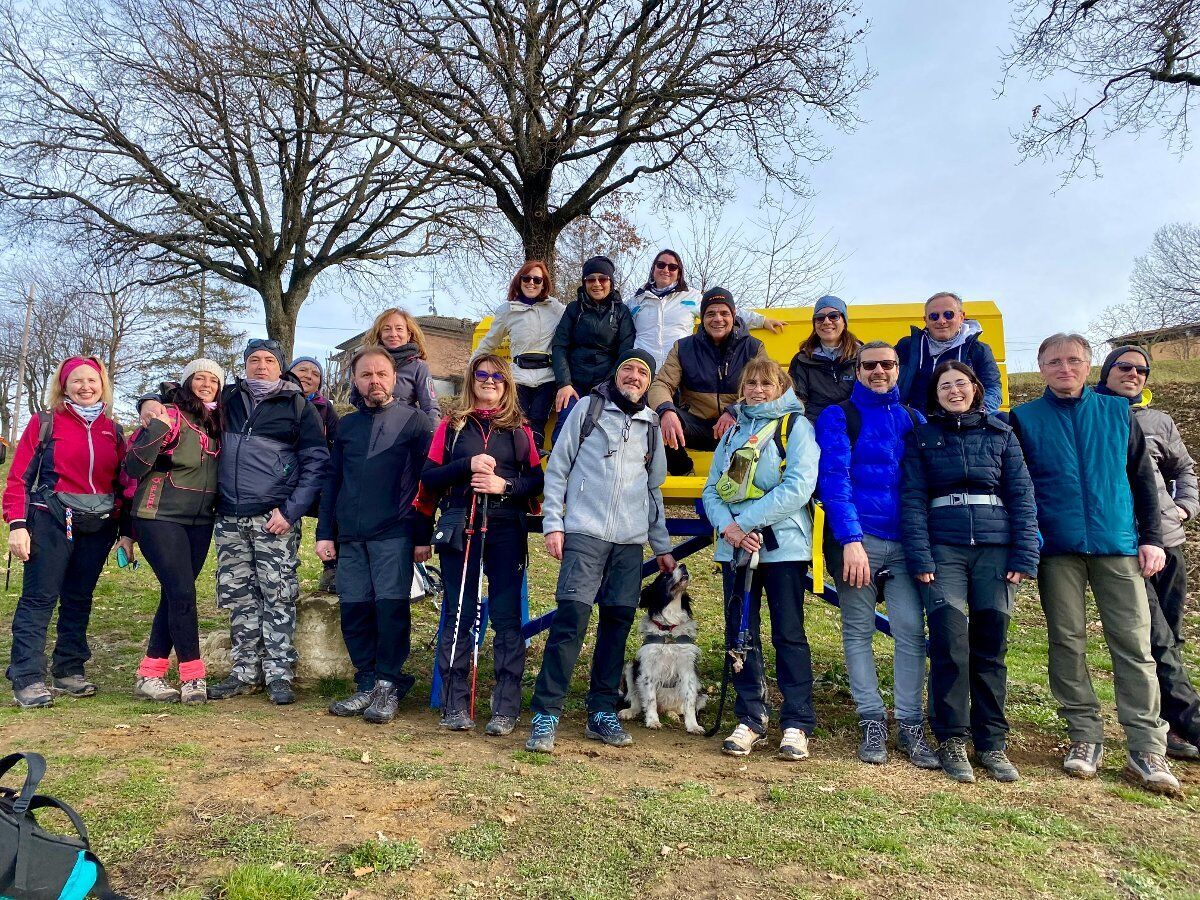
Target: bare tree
x,y
1138,60
209,135
549,107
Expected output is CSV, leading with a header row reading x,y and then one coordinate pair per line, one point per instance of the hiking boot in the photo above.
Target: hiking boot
x,y
541,734
457,720
328,580
742,741
500,725
1083,759
75,685
998,765
280,692
911,741
33,696
352,705
952,757
155,689
605,726
385,700
1180,748
232,687
873,746
194,692
1151,771
794,745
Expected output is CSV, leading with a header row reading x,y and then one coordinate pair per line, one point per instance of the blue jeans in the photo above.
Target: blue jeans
x,y
905,612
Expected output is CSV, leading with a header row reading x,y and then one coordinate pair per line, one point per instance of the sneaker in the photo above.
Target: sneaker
x,y
605,726
328,580
385,700
33,696
457,720
911,741
500,725
1083,759
794,745
155,689
952,757
873,746
232,687
1151,771
742,741
75,685
279,690
1179,747
354,705
998,765
542,733
194,692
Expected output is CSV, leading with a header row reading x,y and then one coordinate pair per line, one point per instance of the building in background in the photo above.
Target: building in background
x,y
1174,342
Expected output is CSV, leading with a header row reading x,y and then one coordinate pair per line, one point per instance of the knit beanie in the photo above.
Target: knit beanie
x,y
1117,353
273,348
308,359
831,302
599,265
635,355
717,295
203,365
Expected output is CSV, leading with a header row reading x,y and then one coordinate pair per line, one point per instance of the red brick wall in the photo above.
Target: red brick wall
x,y
447,355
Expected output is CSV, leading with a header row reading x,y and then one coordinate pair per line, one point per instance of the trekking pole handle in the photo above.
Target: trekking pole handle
x,y
753,564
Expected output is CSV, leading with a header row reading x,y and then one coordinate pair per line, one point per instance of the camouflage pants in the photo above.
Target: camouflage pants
x,y
257,583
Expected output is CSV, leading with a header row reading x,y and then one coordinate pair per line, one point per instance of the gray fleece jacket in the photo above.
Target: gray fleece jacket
x,y
1174,471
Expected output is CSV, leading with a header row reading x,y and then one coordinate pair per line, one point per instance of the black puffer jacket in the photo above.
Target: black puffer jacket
x,y
821,382
969,454
589,340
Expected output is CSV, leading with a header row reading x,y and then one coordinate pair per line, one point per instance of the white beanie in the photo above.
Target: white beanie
x,y
203,365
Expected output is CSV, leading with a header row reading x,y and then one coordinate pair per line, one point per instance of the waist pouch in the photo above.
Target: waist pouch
x,y
70,518
36,864
532,360
450,533
737,481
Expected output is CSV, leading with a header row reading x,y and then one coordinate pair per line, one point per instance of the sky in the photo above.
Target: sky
x,y
929,192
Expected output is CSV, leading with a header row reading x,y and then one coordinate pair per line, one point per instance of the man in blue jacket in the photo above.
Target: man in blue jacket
x,y
858,481
1099,517
948,334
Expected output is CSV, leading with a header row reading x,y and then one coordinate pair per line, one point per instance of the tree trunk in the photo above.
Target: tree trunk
x,y
282,310
538,238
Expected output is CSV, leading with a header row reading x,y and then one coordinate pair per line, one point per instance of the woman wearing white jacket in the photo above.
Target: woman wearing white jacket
x,y
528,319
665,309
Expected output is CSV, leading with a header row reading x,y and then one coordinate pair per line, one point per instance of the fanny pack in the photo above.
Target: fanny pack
x,y
737,481
74,513
532,360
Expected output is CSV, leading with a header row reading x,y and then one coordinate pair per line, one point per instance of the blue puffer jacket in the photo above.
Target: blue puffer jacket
x,y
917,363
967,454
860,489
784,506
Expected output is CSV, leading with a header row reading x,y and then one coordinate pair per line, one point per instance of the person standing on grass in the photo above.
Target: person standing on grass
x,y
483,457
367,521
311,376
1124,374
862,445
603,501
64,505
770,515
398,332
528,318
1097,502
970,536
173,459
823,369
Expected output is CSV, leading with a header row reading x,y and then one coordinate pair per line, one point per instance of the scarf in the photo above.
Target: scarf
x,y
833,354
609,391
261,390
661,292
89,414
404,353
210,405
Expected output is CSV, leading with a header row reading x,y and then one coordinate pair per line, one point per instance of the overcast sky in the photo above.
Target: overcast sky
x,y
929,194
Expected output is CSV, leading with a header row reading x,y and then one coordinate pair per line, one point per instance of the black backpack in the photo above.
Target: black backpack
x,y
594,412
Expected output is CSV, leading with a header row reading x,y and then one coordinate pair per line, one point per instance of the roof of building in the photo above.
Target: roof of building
x,y
1156,334
447,325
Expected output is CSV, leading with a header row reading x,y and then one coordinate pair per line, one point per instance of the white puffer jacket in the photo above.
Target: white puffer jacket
x,y
660,322
529,328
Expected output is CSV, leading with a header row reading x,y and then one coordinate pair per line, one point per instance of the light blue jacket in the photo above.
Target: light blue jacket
x,y
784,506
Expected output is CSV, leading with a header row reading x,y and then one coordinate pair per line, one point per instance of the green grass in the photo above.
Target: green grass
x,y
382,857
255,881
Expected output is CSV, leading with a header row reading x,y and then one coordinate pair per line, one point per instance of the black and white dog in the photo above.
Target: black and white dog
x,y
663,678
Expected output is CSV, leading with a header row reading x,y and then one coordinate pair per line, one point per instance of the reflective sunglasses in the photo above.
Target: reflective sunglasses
x,y
597,279
1131,367
827,317
531,279
872,364
263,344
482,376
946,314
666,266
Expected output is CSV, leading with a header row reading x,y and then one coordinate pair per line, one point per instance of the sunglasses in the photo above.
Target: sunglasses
x,y
263,344
666,266
872,364
946,314
597,279
482,376
532,279
1131,367
827,317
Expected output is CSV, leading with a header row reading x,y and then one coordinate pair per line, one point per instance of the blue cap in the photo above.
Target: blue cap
x,y
831,302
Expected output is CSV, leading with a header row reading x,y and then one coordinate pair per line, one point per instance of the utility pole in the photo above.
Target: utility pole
x,y
15,427
203,325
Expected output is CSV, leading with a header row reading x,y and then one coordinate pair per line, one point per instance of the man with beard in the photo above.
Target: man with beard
x,y
607,471
366,505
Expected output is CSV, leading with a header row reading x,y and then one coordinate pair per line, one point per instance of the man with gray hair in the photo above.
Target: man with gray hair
x,y
948,334
1099,517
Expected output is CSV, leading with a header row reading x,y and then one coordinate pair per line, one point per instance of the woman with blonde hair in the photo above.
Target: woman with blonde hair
x,y
483,473
63,505
398,332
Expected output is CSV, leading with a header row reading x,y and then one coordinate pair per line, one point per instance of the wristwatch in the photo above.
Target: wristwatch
x,y
508,486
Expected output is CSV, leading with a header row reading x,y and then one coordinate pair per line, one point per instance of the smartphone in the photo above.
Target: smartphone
x,y
123,559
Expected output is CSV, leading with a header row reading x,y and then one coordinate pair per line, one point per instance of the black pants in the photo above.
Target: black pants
x,y
58,572
1170,585
1180,704
537,403
505,550
969,606
698,435
176,553
374,581
784,586
609,576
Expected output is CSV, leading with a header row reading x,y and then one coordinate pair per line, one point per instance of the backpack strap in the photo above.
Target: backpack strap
x,y
853,420
35,763
912,415
782,433
651,446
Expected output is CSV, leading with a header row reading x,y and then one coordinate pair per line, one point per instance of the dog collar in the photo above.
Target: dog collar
x,y
667,638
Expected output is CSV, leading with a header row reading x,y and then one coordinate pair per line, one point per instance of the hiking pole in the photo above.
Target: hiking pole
x,y
7,571
475,635
462,588
736,655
